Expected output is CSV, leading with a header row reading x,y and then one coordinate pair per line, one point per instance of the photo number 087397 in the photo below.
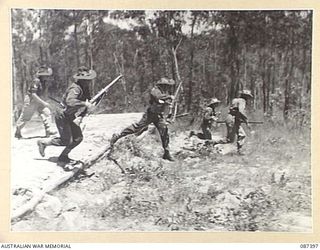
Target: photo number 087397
x,y
307,245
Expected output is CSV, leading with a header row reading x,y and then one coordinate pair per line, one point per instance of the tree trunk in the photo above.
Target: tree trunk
x,y
287,90
288,79
90,55
120,68
189,102
75,35
124,83
245,66
269,66
40,39
234,64
303,72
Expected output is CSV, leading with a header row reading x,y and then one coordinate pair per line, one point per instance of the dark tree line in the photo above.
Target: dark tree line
x,y
219,53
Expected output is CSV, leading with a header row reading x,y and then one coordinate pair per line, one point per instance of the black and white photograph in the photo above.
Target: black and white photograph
x,y
155,120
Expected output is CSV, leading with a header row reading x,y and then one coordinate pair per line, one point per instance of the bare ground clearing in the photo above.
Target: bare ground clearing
x,y
267,189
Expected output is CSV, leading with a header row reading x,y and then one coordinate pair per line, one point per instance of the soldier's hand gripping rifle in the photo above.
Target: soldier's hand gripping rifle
x,y
95,101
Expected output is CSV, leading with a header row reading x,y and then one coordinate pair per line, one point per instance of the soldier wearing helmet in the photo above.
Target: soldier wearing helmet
x,y
75,101
34,102
160,99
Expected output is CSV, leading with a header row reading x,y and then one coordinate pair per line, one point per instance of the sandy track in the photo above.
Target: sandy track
x,y
30,172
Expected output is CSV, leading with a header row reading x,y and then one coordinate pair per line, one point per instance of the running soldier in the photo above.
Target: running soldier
x,y
237,116
209,117
75,101
160,99
34,102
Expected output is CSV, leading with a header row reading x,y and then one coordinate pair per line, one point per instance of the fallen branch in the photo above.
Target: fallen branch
x,y
116,162
78,168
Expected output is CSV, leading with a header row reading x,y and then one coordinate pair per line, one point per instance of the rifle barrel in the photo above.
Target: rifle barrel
x,y
255,122
105,89
182,115
250,122
57,101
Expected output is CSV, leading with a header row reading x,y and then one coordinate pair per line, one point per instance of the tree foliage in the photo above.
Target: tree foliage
x,y
220,53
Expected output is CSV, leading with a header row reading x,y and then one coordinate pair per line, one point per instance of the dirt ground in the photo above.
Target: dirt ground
x,y
207,188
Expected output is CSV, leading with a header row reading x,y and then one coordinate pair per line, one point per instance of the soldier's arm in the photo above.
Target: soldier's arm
x,y
243,118
158,95
39,100
72,98
75,105
234,111
209,115
34,89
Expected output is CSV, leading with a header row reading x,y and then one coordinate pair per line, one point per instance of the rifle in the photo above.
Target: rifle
x,y
250,122
57,101
182,115
95,100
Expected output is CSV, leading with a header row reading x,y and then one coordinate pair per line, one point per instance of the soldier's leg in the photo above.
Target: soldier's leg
x,y
64,138
77,138
231,128
200,136
45,115
241,138
133,128
162,127
206,132
28,110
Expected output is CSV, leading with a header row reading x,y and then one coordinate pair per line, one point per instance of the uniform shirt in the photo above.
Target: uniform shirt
x,y
36,87
74,100
240,103
159,99
209,115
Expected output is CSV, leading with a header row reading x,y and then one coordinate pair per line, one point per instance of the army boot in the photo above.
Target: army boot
x,y
42,144
167,156
239,149
192,133
17,134
64,159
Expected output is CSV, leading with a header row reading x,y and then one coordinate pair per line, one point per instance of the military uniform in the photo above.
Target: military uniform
x,y
74,101
32,105
159,101
236,116
209,116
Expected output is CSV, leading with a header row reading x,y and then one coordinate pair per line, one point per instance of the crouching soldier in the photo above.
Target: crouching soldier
x,y
209,117
160,99
34,102
75,101
237,116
